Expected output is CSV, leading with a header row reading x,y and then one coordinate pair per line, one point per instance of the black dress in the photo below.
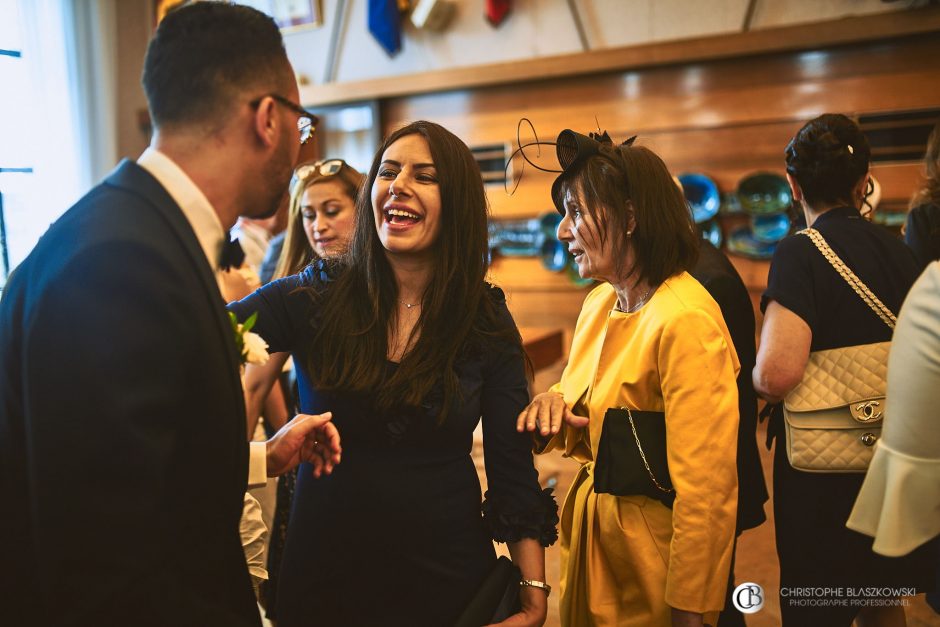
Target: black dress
x,y
397,534
922,233
810,509
718,275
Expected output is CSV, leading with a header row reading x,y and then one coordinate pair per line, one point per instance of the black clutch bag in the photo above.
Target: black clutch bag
x,y
497,598
631,456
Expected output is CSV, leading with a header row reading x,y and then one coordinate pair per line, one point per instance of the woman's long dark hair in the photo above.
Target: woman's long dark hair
x,y
350,343
930,192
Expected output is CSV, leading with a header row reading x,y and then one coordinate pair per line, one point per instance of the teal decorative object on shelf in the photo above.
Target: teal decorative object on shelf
x,y
701,192
742,242
770,228
764,193
711,231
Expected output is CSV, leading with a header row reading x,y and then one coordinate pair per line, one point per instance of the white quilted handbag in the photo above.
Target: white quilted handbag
x,y
833,417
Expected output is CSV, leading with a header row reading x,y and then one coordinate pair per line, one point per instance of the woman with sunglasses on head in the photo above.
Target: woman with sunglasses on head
x,y
648,525
321,216
408,346
809,306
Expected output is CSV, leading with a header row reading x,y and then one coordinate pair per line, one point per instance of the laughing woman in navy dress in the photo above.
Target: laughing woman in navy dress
x,y
408,347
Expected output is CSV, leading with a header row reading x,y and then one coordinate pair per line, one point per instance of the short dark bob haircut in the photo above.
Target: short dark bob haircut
x,y
622,181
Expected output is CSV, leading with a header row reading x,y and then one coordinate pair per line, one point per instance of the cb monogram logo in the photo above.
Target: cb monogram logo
x,y
748,598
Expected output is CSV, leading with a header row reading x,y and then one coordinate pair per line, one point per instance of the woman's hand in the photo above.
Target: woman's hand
x,y
545,413
306,438
534,609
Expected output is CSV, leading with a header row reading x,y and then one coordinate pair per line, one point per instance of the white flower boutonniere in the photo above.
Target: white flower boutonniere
x,y
251,348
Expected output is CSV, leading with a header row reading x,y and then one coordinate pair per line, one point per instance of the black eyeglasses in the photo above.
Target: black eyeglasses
x,y
306,121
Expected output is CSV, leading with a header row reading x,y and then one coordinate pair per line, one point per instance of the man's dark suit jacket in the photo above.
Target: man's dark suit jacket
x,y
718,276
122,430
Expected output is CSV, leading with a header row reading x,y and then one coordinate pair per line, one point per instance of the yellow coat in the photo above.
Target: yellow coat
x,y
627,560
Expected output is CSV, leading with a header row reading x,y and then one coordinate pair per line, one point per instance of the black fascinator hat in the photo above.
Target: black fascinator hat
x,y
573,150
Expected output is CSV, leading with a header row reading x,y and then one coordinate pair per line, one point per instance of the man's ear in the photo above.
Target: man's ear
x,y
265,122
795,188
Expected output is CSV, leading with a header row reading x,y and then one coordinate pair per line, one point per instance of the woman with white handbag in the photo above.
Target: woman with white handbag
x,y
829,308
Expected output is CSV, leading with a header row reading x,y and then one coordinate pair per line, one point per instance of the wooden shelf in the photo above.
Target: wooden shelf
x,y
543,345
881,26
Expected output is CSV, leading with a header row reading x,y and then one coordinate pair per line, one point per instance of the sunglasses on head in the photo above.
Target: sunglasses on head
x,y
328,167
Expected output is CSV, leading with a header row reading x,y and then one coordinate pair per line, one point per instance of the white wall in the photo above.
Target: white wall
x,y
538,28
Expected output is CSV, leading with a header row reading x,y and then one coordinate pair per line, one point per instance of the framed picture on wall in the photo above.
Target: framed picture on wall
x,y
290,15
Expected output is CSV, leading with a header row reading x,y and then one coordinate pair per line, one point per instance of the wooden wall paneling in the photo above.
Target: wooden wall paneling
x,y
703,95
898,182
807,36
726,118
527,274
536,297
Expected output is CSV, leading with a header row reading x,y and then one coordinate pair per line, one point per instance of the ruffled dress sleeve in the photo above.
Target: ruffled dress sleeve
x,y
899,503
515,506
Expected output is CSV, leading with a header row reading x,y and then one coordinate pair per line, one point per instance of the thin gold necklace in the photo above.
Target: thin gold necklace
x,y
409,305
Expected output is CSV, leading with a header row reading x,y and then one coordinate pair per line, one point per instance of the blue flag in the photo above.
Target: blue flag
x,y
385,24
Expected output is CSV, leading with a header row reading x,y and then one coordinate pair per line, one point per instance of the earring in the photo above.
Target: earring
x,y
629,233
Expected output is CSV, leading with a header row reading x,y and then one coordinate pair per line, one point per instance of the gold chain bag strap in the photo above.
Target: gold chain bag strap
x,y
632,457
646,463
833,417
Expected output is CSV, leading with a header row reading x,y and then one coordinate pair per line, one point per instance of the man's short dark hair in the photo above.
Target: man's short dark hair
x,y
205,55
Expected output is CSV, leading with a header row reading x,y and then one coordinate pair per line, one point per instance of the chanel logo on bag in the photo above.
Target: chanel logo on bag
x,y
867,411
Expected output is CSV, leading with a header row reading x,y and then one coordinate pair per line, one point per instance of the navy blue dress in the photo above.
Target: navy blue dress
x,y
922,233
397,534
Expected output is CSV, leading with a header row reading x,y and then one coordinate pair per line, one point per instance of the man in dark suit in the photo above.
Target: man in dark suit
x,y
123,453
717,275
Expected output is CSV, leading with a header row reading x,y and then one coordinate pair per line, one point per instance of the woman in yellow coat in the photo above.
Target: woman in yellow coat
x,y
649,339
